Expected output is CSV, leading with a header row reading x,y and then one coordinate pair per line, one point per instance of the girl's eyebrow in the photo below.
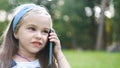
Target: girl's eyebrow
x,y
48,29
33,25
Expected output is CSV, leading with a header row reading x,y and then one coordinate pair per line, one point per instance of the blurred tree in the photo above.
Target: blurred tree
x,y
77,28
80,29
116,21
4,5
70,12
101,26
92,21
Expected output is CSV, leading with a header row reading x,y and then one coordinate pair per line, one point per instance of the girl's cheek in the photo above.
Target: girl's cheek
x,y
46,39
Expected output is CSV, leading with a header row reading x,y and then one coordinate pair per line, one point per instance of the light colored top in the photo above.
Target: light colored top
x,y
33,64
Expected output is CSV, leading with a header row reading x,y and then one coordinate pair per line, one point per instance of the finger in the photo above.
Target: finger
x,y
53,34
53,37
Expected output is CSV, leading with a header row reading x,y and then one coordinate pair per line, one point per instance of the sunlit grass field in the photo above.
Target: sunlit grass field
x,y
92,59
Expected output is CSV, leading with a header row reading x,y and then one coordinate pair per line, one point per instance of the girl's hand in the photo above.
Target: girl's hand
x,y
62,61
57,46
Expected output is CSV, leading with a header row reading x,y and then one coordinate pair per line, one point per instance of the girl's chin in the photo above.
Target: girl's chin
x,y
34,51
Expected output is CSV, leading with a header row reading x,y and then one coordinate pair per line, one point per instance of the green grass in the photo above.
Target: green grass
x,y
92,59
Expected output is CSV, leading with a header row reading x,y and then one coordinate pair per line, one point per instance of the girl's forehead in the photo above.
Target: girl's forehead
x,y
39,11
38,20
38,14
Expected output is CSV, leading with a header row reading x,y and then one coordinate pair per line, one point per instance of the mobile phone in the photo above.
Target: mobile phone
x,y
50,52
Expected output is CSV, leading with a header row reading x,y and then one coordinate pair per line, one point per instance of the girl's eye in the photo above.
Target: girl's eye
x,y
31,28
46,31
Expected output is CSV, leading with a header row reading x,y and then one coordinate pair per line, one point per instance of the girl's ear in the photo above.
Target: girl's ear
x,y
16,34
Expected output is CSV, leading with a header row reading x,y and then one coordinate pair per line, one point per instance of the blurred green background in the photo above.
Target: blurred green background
x,y
88,29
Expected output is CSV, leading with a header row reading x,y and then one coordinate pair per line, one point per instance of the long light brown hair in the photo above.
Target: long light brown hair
x,y
10,46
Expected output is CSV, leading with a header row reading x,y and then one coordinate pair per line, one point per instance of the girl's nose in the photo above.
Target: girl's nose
x,y
38,35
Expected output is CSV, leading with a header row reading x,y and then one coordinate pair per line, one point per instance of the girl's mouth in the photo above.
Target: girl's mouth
x,y
36,44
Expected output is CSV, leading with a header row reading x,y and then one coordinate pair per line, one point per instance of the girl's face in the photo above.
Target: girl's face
x,y
33,33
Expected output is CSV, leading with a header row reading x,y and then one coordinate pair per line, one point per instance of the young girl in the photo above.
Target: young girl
x,y
25,41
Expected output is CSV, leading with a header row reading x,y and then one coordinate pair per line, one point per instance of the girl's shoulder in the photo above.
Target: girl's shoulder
x,y
13,63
